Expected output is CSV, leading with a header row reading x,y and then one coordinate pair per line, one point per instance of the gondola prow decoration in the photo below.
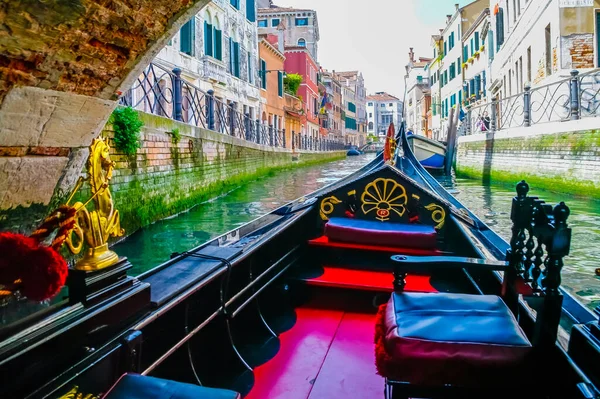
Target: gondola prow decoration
x,y
390,145
97,225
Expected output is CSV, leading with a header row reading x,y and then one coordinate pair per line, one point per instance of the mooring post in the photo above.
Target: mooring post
x,y
232,118
248,127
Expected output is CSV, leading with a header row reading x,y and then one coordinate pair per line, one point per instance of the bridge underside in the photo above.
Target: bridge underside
x,y
63,64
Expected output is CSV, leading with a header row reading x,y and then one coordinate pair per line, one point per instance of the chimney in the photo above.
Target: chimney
x,y
280,38
448,18
411,55
456,6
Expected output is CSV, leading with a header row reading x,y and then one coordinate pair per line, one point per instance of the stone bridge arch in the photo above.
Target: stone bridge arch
x,y
63,64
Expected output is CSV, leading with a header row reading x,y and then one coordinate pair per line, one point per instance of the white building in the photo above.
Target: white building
x,y
301,25
475,60
434,113
383,109
218,50
418,94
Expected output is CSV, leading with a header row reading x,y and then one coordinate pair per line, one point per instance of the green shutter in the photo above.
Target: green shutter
x,y
186,42
465,53
476,41
250,10
280,83
458,64
208,39
263,74
499,28
236,59
219,44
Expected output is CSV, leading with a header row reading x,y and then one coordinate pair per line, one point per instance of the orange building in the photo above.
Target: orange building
x,y
295,120
271,75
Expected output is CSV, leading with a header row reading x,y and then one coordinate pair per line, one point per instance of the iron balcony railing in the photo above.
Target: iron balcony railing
x,y
572,98
162,92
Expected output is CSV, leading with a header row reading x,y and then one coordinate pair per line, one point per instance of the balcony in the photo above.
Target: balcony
x,y
214,70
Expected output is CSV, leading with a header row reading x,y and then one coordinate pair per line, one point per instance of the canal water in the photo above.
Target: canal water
x,y
154,244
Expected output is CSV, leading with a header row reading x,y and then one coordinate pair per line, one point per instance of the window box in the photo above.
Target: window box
x,y
470,60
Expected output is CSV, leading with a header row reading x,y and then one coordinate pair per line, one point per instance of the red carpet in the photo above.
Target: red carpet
x,y
327,354
323,241
368,280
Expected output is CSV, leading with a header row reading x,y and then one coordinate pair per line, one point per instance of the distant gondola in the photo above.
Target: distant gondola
x,y
353,152
288,306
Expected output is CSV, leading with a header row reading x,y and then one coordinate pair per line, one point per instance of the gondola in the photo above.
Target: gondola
x,y
430,153
381,285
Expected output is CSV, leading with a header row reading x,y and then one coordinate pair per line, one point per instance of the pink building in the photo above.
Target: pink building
x,y
298,60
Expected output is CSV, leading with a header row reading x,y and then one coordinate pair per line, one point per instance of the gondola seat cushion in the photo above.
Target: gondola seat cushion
x,y
369,232
135,386
441,338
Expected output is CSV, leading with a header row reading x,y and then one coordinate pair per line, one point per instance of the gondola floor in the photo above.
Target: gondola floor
x,y
328,353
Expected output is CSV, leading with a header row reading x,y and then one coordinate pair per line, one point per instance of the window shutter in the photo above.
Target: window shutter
x,y
465,53
280,84
483,79
472,46
458,64
208,39
219,44
250,10
236,59
490,46
500,28
476,41
249,67
263,74
186,37
231,56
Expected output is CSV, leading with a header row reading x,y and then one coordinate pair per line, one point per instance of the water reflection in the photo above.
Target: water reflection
x,y
154,244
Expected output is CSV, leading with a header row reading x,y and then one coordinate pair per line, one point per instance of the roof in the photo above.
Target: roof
x,y
347,74
277,9
383,96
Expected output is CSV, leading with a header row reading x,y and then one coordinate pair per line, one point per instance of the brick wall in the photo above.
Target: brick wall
x,y
165,178
566,162
579,51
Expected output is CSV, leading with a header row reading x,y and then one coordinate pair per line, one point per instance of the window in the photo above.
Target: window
x,y
597,38
186,42
382,105
370,104
515,11
352,107
548,52
499,28
263,23
275,22
301,42
235,3
263,74
280,83
509,83
234,58
520,73
218,44
250,10
451,42
465,53
390,105
445,48
472,46
370,114
458,66
476,41
208,39
250,79
452,71
301,21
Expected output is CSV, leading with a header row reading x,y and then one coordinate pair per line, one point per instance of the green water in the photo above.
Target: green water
x,y
154,244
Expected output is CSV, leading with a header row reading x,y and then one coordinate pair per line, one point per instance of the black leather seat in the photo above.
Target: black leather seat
x,y
135,386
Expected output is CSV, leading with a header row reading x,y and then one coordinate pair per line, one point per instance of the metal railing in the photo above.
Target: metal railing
x,y
162,92
572,98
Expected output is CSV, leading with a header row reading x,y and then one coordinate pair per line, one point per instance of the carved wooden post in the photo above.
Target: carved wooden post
x,y
210,110
527,105
575,106
177,95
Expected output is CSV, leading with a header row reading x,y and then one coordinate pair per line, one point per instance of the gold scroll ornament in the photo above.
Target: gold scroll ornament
x,y
97,225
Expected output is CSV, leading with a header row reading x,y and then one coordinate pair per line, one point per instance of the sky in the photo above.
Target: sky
x,y
374,36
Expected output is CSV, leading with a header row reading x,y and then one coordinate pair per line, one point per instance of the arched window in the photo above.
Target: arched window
x,y
208,34
217,39
234,54
301,42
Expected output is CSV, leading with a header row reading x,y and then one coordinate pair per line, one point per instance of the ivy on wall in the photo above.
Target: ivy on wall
x,y
127,125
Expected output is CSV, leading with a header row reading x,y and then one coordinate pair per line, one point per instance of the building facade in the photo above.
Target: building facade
x,y
349,116
218,50
540,42
383,109
475,60
434,117
299,61
356,110
271,68
301,26
333,88
418,94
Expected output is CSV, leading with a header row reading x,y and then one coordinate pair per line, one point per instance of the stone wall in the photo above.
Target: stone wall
x,y
549,157
165,178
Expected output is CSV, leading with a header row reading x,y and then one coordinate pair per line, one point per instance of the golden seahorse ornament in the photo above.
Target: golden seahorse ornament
x,y
97,225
